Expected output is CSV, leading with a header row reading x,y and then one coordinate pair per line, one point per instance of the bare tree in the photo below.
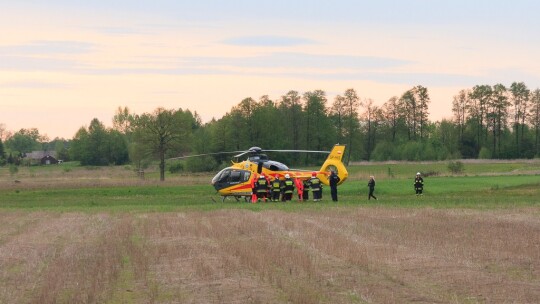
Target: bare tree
x,y
534,117
460,104
520,99
392,113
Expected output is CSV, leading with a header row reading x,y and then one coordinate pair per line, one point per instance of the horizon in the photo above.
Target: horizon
x,y
65,63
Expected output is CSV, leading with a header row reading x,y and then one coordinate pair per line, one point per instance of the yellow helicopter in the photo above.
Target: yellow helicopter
x,y
236,181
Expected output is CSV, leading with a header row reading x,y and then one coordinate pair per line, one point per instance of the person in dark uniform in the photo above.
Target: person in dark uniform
x,y
287,187
371,185
316,187
333,180
276,188
418,184
306,190
262,188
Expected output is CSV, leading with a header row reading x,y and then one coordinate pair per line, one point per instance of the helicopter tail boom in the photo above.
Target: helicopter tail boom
x,y
333,162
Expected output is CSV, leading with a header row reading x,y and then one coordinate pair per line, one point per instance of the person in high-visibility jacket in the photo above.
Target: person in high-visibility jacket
x,y
262,188
418,184
299,188
287,187
306,185
316,187
254,188
275,188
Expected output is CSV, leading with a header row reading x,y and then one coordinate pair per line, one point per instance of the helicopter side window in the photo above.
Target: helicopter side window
x,y
235,176
247,175
273,168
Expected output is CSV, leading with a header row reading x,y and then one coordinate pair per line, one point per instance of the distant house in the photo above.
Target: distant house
x,y
42,157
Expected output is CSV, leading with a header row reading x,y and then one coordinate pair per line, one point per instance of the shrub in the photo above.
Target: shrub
x,y
383,151
455,167
484,153
176,167
431,173
13,169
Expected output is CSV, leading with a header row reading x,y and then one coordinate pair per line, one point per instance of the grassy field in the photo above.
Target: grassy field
x,y
71,234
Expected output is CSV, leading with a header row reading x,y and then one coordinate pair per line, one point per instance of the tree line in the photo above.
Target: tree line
x,y
489,121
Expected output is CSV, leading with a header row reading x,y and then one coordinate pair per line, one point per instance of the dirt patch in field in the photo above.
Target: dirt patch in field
x,y
343,255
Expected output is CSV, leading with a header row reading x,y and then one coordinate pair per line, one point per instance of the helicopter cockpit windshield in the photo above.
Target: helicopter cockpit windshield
x,y
230,176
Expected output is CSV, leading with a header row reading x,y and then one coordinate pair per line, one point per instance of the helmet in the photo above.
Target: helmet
x,y
418,173
277,175
287,175
314,174
262,175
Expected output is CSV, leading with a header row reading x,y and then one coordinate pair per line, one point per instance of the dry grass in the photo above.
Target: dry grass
x,y
343,255
58,177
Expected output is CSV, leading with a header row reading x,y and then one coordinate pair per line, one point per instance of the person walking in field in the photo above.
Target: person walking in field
x,y
333,179
316,187
418,184
276,188
371,185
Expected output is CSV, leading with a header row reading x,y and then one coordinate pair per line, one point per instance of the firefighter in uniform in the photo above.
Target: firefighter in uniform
x,y
275,188
316,187
306,185
418,184
287,187
262,188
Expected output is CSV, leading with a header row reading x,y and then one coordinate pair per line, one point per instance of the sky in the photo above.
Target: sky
x,y
64,63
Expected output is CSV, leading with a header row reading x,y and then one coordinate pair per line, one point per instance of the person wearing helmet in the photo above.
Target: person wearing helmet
x,y
275,188
306,185
418,184
316,187
262,187
287,188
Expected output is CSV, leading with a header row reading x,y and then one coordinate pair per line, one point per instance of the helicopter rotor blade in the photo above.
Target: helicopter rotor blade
x,y
255,150
298,151
243,153
205,154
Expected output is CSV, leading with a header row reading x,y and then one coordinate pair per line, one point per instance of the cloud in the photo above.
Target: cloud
x,y
299,60
48,48
32,84
28,63
267,41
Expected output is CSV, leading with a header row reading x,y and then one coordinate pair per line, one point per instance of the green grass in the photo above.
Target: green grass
x,y
439,192
483,185
404,170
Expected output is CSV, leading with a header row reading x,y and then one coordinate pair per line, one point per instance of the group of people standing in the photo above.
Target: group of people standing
x,y
273,189
282,190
